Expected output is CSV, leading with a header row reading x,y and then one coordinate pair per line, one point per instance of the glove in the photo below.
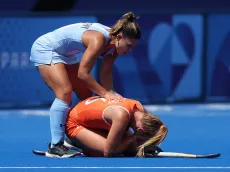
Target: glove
x,y
151,151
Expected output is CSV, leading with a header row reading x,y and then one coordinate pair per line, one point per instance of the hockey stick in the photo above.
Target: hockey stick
x,y
183,155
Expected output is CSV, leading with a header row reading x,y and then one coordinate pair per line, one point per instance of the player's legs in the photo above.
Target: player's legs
x,y
56,77
90,141
79,86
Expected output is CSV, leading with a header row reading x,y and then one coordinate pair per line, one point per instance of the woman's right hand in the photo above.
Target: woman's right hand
x,y
113,97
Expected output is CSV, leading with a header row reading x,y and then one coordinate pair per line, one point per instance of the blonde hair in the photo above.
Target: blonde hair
x,y
155,129
127,26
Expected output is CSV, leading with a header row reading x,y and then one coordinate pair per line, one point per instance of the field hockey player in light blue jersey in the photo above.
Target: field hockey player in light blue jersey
x,y
65,58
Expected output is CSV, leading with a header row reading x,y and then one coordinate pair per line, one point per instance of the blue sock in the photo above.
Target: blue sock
x,y
58,114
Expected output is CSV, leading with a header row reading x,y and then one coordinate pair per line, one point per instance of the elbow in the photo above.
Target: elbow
x,y
82,75
107,154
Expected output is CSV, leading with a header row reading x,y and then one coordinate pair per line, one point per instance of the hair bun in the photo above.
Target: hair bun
x,y
129,16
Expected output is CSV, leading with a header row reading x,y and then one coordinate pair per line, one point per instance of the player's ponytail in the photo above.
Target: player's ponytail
x,y
155,129
128,26
130,17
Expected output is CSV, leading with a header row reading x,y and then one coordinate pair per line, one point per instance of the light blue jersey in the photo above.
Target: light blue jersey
x,y
64,44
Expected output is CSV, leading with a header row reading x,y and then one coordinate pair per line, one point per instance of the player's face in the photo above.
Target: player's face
x,y
124,45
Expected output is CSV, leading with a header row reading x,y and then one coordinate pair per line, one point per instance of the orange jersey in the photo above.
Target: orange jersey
x,y
89,113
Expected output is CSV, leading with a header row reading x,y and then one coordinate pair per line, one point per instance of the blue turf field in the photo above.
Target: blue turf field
x,y
197,128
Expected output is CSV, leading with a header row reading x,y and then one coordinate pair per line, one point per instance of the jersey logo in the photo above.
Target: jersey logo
x,y
86,25
90,101
87,102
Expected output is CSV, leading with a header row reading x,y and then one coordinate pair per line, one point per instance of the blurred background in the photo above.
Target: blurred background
x,y
183,55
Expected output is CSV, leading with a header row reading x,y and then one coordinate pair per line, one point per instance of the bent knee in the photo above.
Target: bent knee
x,y
64,92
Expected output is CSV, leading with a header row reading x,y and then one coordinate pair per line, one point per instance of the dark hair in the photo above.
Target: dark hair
x,y
128,26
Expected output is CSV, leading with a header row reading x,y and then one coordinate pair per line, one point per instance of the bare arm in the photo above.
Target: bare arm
x,y
119,124
131,149
128,146
95,43
106,76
